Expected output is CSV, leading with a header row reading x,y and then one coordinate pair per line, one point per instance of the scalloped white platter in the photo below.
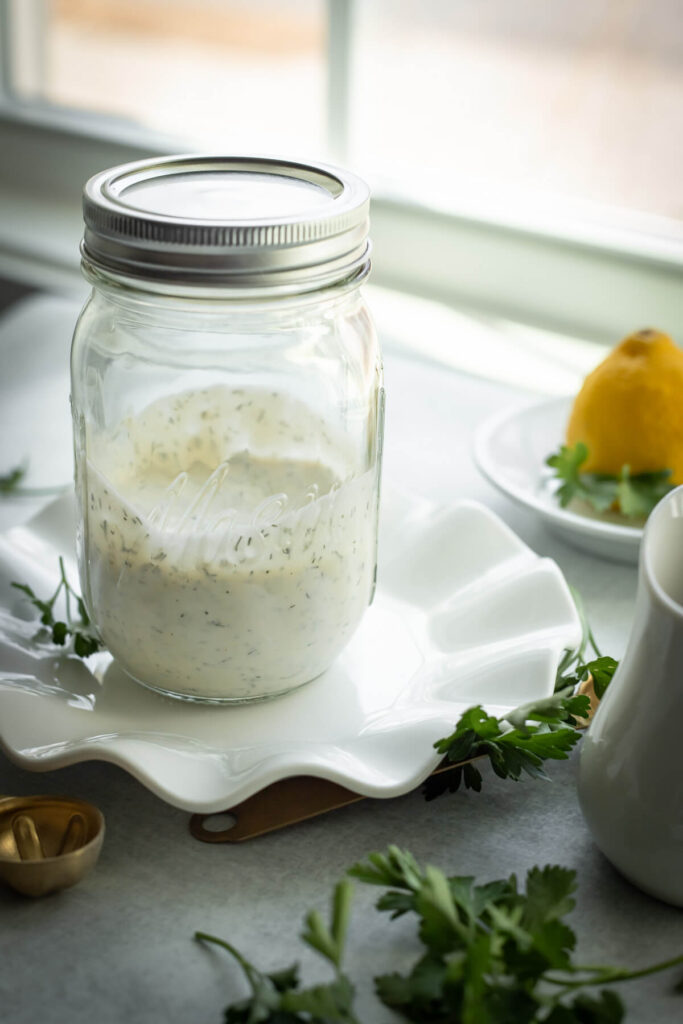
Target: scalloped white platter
x,y
464,613
510,450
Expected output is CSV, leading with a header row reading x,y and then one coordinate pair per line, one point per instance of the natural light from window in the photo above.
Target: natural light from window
x,y
482,98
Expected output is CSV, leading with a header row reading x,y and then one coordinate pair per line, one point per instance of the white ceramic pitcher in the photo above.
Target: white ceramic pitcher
x,y
631,769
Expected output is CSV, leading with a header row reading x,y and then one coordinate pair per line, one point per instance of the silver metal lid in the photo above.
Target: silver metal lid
x,y
243,222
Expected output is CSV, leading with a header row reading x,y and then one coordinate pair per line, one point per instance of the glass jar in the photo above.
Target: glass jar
x,y
227,406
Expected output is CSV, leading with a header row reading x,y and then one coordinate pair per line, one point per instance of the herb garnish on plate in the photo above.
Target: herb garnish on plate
x,y
80,630
633,496
520,741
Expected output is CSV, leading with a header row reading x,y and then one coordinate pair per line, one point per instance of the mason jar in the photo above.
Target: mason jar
x,y
227,408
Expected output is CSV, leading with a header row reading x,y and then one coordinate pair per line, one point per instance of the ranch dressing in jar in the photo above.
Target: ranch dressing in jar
x,y
227,415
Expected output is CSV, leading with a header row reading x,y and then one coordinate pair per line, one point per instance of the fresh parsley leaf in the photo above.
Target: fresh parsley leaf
x,y
601,669
331,1002
420,993
10,482
549,895
638,495
85,642
59,633
598,490
396,868
329,942
285,979
606,1008
634,496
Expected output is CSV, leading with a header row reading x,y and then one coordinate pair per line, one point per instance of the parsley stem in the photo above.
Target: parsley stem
x,y
583,619
51,602
596,649
33,492
576,656
10,485
67,589
568,659
248,968
611,975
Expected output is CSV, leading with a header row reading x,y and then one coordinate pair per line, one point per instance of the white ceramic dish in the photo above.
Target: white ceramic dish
x,y
510,449
464,613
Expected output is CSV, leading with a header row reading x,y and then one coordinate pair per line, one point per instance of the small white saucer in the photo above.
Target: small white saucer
x,y
464,614
510,449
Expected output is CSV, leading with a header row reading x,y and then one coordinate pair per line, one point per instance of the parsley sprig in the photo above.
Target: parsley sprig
x,y
80,630
519,742
490,954
491,951
11,485
277,998
634,496
545,731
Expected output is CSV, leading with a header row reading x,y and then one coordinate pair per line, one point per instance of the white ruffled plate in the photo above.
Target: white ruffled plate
x,y
510,449
464,613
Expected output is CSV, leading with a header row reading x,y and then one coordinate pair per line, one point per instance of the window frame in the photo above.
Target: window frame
x,y
568,273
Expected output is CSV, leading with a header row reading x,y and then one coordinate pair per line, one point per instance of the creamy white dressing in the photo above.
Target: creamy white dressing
x,y
229,552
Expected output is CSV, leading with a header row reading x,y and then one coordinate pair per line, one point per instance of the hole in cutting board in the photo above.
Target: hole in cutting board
x,y
219,822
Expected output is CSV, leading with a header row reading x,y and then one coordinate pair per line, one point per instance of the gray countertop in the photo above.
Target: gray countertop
x,y
119,946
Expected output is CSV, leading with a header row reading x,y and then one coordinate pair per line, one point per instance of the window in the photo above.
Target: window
x,y
228,74
525,156
578,100
575,100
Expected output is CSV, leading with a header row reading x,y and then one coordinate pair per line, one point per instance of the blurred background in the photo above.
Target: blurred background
x,y
525,156
572,98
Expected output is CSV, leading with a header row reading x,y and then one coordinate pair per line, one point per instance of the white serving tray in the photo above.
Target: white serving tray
x,y
464,613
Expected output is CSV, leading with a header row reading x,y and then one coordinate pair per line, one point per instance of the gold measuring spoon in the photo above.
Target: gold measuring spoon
x,y
47,842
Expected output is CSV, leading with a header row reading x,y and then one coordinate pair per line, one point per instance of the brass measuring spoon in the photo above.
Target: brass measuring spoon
x,y
47,842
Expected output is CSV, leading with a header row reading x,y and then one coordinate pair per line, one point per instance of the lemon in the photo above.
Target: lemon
x,y
630,408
